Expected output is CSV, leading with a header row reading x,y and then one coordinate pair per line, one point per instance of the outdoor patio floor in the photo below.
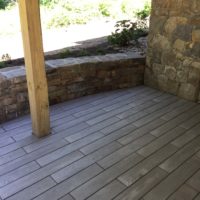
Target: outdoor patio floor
x,y
127,144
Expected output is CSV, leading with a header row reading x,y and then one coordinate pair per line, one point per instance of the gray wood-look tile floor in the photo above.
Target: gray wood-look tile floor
x,y
129,144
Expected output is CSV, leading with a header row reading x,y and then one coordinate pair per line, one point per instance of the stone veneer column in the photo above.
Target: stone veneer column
x,y
173,58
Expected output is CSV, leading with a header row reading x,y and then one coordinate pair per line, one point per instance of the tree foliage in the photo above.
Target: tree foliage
x,y
5,3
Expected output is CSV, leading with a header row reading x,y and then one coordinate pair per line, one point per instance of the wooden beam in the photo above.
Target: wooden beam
x,y
35,66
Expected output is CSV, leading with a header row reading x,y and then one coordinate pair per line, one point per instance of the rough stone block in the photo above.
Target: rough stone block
x,y
175,46
71,78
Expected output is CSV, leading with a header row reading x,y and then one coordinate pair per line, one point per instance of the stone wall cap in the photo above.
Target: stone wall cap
x,y
69,62
17,71
12,72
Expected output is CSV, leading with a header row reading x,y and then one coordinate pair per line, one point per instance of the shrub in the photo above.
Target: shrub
x,y
104,9
5,58
65,53
145,12
59,20
47,2
2,64
4,4
126,31
123,33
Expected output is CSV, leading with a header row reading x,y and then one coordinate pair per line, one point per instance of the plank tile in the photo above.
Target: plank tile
x,y
186,106
161,141
67,149
23,134
125,151
163,97
115,128
173,123
30,157
25,129
59,121
63,123
18,173
166,107
104,178
84,162
39,144
137,109
92,129
106,140
169,185
194,181
136,191
181,156
6,141
14,146
136,143
74,128
109,191
132,175
70,184
187,137
191,122
183,193
108,115
134,100
17,123
136,116
38,175
160,105
12,156
116,96
140,131
67,197
34,190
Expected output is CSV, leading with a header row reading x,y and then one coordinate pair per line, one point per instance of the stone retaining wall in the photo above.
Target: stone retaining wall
x,y
71,78
173,57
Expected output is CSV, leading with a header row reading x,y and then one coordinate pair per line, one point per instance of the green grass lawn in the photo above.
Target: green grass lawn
x,y
58,15
62,13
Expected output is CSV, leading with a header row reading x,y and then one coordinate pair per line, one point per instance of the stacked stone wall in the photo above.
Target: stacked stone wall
x,y
173,58
71,78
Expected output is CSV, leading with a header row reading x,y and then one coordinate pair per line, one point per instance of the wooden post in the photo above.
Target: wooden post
x,y
35,66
